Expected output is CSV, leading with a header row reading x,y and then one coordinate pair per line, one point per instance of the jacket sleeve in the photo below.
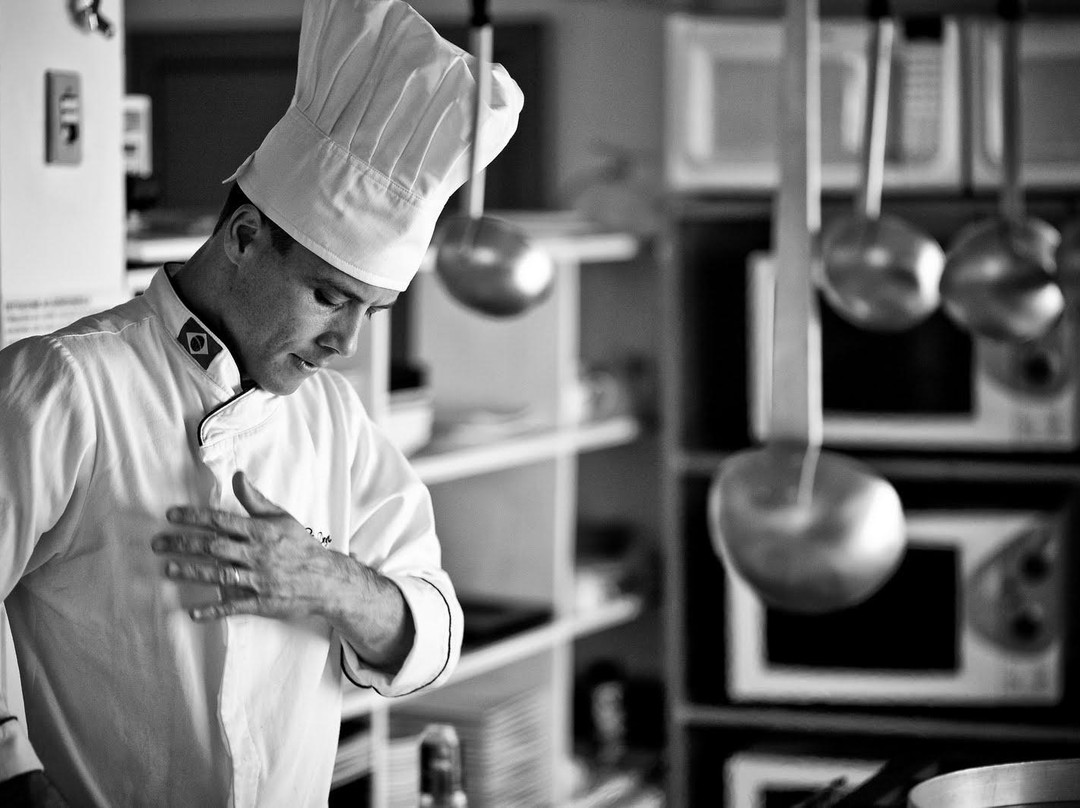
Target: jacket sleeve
x,y
47,440
395,525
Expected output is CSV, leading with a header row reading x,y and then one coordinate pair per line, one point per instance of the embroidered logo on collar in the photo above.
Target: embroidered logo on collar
x,y
323,540
198,343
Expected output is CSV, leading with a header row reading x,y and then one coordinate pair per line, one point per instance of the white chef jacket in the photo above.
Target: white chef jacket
x,y
103,426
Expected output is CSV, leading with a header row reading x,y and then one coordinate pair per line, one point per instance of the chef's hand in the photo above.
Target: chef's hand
x,y
270,565
267,563
30,790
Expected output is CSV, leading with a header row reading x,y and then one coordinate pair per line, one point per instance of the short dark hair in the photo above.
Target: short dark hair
x,y
281,241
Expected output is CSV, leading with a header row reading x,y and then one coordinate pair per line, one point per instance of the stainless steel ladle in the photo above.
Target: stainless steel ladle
x,y
880,272
809,531
486,263
999,279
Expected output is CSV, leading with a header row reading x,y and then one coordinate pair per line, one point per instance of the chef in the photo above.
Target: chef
x,y
202,534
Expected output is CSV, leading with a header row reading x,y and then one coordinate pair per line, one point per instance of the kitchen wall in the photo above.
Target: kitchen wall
x,y
61,226
606,64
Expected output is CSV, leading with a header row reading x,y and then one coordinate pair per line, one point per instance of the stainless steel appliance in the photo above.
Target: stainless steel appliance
x,y
973,617
760,779
722,79
933,386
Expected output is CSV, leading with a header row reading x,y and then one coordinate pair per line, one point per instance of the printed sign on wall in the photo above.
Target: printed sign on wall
x,y
26,317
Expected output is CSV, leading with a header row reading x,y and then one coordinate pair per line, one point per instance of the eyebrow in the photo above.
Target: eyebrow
x,y
352,296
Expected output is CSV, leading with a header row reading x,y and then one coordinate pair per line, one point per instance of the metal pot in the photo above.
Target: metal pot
x,y
1039,782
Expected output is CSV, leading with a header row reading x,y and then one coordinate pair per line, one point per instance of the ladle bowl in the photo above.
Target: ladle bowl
x,y
881,274
999,279
489,266
810,531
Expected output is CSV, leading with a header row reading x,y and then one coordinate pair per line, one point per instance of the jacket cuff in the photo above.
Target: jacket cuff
x,y
436,644
17,756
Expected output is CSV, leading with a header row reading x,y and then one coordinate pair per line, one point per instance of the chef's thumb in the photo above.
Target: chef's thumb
x,y
253,500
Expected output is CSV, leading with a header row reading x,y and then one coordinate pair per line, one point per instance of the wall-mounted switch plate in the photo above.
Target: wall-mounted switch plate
x,y
63,118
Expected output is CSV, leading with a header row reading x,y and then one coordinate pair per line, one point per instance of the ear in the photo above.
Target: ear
x,y
242,230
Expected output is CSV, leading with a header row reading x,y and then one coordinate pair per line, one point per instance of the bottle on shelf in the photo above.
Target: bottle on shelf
x,y
440,768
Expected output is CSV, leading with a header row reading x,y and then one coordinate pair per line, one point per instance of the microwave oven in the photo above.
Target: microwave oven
x,y
933,386
721,84
764,779
1049,103
974,616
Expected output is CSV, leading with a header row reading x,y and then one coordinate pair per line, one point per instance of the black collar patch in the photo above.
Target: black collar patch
x,y
199,344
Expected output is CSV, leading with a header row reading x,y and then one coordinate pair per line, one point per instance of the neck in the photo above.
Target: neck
x,y
200,285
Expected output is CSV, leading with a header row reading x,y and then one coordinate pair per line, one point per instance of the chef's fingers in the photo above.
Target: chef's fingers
x,y
256,503
216,611
206,544
231,524
223,575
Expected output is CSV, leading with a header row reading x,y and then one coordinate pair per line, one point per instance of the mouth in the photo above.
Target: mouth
x,y
306,366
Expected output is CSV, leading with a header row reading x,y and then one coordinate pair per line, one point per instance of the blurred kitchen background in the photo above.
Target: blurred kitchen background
x,y
570,450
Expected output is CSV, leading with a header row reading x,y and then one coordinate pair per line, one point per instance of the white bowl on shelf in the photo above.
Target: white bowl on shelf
x,y
411,419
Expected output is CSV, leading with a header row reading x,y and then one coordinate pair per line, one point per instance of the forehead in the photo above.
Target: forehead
x,y
318,272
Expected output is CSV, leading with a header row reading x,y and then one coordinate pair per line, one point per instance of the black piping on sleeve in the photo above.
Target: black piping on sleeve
x,y
449,646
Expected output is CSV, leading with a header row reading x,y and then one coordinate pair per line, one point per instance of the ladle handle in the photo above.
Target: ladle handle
x,y
1012,195
875,124
796,363
481,43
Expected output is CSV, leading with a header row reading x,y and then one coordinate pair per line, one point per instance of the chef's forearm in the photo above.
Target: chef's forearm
x,y
370,613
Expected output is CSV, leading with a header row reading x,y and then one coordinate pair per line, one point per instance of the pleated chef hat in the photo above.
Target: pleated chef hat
x,y
376,138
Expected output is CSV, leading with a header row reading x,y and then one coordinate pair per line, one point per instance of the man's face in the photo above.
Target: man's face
x,y
289,315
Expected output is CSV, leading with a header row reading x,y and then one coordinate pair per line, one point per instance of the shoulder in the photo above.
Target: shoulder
x,y
113,348
34,359
115,328
63,361
43,392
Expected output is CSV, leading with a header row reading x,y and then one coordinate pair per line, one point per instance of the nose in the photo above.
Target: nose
x,y
343,335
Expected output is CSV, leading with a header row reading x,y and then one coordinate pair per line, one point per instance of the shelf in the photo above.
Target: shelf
x,y
789,720
435,465
564,235
988,467
358,702
899,8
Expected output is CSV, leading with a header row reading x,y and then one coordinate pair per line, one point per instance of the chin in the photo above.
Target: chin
x,y
283,387
278,381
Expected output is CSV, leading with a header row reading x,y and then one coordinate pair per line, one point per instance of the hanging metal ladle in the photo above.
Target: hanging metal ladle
x,y
485,263
810,531
880,272
999,279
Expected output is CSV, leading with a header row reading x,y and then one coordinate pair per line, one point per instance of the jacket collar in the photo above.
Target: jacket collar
x,y
190,334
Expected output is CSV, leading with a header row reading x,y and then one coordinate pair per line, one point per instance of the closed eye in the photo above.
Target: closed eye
x,y
329,301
